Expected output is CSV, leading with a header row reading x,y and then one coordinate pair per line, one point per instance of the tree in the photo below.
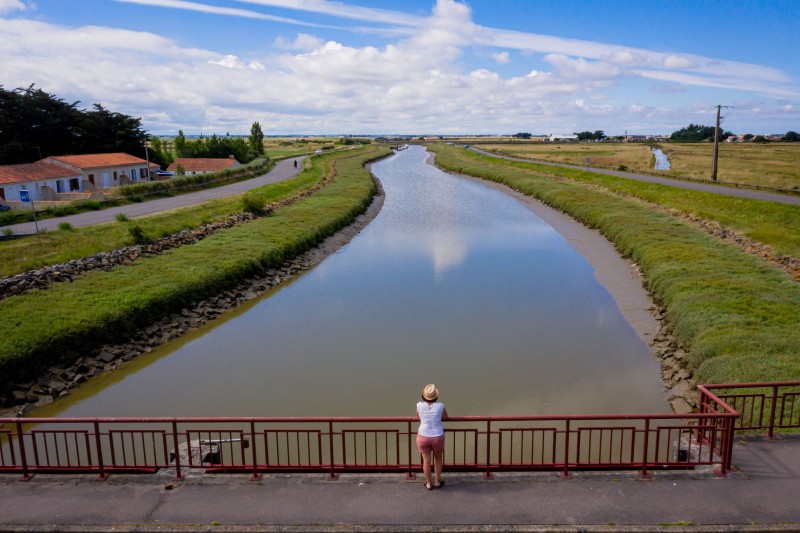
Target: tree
x,y
180,144
693,133
748,136
791,136
599,135
759,139
522,135
256,138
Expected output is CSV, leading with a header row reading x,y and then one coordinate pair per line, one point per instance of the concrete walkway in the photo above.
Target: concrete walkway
x,y
762,495
672,182
282,170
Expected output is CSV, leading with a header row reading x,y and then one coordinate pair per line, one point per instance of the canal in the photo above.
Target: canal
x,y
454,282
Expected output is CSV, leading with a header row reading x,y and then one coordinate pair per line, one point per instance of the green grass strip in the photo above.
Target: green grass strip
x,y
70,319
738,316
56,247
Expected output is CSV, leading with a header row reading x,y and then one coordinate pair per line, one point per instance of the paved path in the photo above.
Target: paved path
x,y
764,494
705,187
282,170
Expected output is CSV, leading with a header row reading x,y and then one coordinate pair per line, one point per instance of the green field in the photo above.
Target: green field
x,y
755,164
737,315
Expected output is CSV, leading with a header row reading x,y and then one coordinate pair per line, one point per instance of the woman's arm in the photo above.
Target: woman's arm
x,y
444,414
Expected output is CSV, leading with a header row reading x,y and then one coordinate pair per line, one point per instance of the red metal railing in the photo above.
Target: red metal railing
x,y
762,406
366,444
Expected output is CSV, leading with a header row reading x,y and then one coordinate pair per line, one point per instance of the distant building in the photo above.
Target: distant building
x,y
42,180
201,165
105,170
70,177
554,138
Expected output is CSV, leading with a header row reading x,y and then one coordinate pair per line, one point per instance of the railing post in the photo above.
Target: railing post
x,y
332,476
102,475
771,429
25,474
178,474
643,474
565,473
488,474
410,474
727,460
256,476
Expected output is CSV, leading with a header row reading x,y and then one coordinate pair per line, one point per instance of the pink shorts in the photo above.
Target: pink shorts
x,y
430,444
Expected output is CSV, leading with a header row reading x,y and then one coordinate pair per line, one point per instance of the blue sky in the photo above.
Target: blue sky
x,y
433,66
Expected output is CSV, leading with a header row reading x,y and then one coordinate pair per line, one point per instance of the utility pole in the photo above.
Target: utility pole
x,y
716,143
716,147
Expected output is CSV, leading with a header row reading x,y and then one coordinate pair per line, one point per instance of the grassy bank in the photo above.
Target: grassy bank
x,y
60,246
767,222
70,319
738,316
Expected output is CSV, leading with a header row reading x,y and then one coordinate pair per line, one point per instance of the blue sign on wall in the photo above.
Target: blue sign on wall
x,y
24,197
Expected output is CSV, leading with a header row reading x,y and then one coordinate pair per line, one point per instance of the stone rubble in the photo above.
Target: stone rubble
x,y
41,278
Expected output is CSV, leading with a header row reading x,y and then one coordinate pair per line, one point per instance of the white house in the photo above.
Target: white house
x,y
42,180
201,165
105,170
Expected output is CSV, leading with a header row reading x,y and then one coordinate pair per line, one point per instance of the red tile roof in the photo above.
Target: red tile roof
x,y
89,161
41,170
202,164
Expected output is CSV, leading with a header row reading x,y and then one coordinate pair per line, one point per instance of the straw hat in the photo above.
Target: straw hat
x,y
430,392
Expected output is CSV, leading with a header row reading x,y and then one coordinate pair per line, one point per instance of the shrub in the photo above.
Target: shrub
x,y
622,168
121,217
138,234
8,232
253,203
64,226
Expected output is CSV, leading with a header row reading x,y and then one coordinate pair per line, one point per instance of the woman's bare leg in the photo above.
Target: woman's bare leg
x,y
438,463
426,468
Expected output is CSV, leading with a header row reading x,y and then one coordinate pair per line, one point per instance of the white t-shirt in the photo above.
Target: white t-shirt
x,y
430,418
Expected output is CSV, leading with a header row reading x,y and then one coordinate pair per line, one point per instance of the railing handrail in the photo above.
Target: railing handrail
x,y
755,385
324,419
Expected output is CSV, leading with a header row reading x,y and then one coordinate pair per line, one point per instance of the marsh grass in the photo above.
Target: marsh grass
x,y
738,316
68,319
634,156
764,165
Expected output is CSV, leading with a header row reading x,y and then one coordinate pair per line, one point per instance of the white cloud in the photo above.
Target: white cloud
x,y
7,6
303,41
501,58
418,82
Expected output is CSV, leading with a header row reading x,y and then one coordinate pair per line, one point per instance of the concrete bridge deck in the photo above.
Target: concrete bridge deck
x,y
763,494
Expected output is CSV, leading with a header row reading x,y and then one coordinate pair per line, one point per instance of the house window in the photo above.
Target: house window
x,y
75,184
91,179
2,194
115,175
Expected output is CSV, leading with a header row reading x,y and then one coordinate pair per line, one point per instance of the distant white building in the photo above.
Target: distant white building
x,y
563,138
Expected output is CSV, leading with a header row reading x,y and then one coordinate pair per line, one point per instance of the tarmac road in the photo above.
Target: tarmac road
x,y
762,495
282,170
704,187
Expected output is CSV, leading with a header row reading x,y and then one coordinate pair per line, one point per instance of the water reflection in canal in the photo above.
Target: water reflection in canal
x,y
453,283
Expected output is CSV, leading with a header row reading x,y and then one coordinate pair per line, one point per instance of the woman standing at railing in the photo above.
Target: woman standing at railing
x,y
430,436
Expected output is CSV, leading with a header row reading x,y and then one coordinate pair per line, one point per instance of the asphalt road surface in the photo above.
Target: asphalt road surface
x,y
282,170
705,187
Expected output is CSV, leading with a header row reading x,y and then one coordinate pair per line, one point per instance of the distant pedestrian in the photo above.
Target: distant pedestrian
x,y
295,163
430,436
